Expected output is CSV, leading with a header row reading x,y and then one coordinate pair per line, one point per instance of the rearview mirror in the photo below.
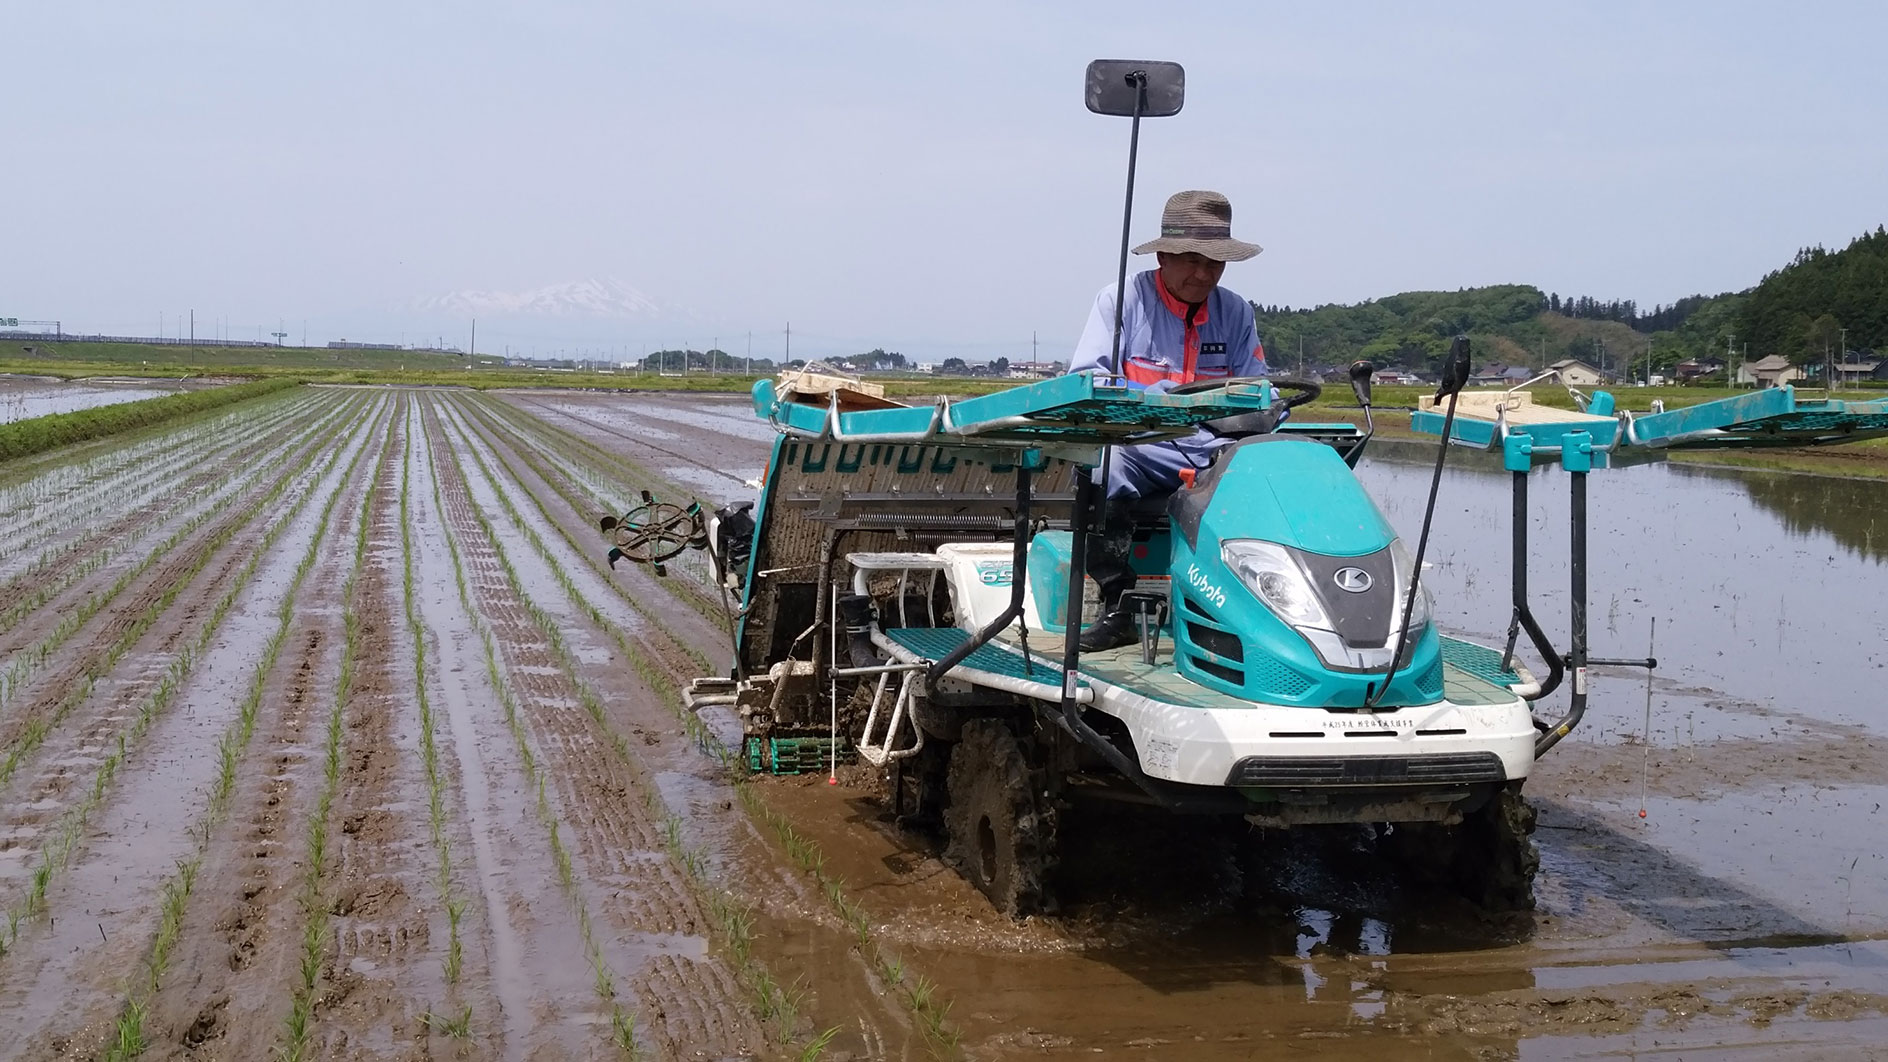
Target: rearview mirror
x,y
1360,381
1115,85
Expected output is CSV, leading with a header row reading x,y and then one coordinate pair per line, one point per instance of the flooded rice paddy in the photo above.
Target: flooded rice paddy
x,y
25,397
326,733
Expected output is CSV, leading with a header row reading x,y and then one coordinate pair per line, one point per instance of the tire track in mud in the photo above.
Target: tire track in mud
x,y
600,788
73,569
72,984
141,661
702,787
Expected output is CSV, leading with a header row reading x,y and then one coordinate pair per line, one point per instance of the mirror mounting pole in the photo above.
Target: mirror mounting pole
x,y
1138,79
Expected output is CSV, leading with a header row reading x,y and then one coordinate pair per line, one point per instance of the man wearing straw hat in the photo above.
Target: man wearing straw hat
x,y
1177,326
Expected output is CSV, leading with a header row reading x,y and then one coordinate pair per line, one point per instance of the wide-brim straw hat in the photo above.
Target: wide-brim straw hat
x,y
1198,222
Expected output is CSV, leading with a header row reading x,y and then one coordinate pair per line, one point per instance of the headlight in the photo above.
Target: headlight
x,y
1405,566
1269,571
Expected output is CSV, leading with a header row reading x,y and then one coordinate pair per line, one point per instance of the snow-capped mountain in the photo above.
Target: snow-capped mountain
x,y
603,297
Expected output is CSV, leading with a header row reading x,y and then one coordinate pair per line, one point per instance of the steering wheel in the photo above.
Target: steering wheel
x,y
1298,392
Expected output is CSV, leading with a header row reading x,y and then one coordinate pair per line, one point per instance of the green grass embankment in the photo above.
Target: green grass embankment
x,y
23,438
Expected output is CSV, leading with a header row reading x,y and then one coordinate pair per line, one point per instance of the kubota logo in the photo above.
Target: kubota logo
x,y
1205,586
1353,580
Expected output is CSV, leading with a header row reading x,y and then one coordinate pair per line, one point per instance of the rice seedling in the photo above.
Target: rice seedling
x,y
314,902
817,1045
622,1021
177,889
458,1026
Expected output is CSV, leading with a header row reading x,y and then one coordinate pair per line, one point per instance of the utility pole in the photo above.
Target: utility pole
x,y
749,366
193,329
789,356
1730,359
1301,355
711,353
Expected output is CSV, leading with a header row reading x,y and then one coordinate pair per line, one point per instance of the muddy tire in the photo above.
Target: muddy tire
x,y
1489,857
1001,833
1505,829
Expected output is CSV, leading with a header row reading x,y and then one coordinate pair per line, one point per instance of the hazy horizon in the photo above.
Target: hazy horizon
x,y
916,180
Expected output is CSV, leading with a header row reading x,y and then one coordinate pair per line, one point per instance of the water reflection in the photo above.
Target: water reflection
x,y
1766,586
1849,510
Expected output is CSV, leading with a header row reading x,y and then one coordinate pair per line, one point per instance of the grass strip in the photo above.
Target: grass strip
x,y
24,438
130,1039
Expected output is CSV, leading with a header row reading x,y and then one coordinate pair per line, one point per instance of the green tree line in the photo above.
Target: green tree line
x,y
1798,311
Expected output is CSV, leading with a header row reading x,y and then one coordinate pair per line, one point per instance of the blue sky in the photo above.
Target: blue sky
x,y
916,177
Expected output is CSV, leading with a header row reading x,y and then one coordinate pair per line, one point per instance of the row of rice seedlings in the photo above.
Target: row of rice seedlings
x,y
71,826
429,752
30,482
130,1040
120,482
531,436
50,572
919,994
589,552
732,919
108,491
37,730
45,586
27,662
622,1019
314,900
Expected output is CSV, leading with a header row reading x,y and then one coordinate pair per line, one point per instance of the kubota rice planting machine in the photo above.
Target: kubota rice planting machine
x,y
909,583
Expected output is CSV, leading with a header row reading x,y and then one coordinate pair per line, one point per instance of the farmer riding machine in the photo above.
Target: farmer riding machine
x,y
909,586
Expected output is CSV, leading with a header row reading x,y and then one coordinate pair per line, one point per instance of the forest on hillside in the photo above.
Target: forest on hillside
x,y
1811,309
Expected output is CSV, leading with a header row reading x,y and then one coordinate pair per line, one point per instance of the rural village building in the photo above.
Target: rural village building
x,y
1576,373
1773,371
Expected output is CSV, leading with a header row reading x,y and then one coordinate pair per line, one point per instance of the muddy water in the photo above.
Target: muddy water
x,y
1746,911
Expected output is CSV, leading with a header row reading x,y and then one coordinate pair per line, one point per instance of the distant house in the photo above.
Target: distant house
x,y
1034,370
1517,375
1773,371
1576,373
1394,376
1858,370
1491,375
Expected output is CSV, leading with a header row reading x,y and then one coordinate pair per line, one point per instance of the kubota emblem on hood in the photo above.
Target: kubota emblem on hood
x,y
1352,580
